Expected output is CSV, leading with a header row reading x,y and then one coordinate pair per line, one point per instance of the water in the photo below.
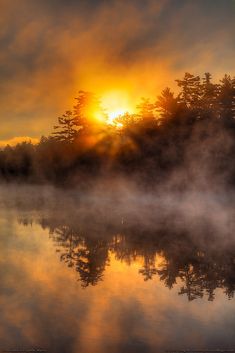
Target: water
x,y
104,273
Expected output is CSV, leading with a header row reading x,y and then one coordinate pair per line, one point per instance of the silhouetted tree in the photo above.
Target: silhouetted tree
x,y
226,98
68,128
167,105
88,112
209,97
146,111
126,121
190,90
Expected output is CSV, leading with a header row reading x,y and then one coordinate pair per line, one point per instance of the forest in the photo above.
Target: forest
x,y
186,139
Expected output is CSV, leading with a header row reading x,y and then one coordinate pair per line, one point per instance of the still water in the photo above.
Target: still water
x,y
115,273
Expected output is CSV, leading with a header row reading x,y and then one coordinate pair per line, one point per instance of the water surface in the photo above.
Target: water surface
x,y
107,273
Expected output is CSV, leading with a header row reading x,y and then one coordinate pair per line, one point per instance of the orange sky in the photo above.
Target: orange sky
x,y
119,50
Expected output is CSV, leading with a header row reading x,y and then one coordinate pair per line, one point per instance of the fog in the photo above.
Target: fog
x,y
203,215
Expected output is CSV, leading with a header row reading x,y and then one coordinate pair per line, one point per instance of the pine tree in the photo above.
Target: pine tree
x,y
147,120
190,90
88,111
226,98
126,120
209,95
68,128
145,109
166,104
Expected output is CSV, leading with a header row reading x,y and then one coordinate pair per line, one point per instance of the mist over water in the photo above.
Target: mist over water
x,y
116,268
120,203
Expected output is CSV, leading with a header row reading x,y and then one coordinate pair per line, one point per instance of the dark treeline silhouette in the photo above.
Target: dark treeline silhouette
x,y
191,134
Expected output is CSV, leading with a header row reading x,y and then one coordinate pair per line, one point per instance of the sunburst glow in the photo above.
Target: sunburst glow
x,y
117,103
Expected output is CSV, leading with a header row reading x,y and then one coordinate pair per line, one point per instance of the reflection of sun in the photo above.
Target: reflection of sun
x,y
116,103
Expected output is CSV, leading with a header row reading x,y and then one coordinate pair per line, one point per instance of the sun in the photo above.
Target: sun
x,y
116,103
114,114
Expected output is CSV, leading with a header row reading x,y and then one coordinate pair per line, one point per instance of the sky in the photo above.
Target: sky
x,y
121,50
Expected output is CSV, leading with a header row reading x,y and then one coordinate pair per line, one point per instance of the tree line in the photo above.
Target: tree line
x,y
191,130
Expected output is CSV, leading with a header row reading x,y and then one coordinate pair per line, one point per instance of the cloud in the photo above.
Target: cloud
x,y
54,48
18,139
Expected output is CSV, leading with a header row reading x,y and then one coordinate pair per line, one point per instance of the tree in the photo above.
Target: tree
x,y
190,90
166,104
126,121
147,121
88,111
208,99
226,97
145,109
68,128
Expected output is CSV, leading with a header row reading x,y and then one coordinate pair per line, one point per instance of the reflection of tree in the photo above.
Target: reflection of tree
x,y
69,241
192,283
149,268
168,273
91,262
89,257
201,274
198,269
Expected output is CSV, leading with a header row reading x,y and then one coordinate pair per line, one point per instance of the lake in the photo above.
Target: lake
x,y
116,271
